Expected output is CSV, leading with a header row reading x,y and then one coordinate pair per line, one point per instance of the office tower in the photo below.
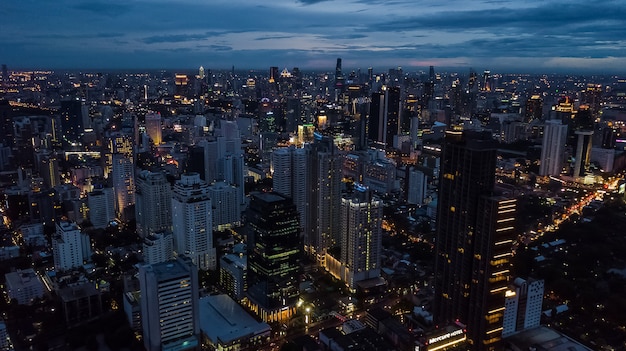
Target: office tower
x,y
486,86
376,122
339,78
583,152
169,305
181,86
101,203
417,186
5,339
72,119
123,179
384,122
48,168
70,247
226,207
473,239
153,203
533,109
274,251
158,247
234,275
361,234
553,148
201,73
192,220
291,176
273,79
523,303
154,128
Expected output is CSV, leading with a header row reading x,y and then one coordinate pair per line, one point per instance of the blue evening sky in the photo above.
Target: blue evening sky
x,y
515,36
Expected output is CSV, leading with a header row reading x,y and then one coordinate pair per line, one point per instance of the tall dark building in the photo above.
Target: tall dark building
x,y
533,109
339,78
474,237
274,251
384,121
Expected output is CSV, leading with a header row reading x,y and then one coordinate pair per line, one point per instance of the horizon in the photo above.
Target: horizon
x,y
535,36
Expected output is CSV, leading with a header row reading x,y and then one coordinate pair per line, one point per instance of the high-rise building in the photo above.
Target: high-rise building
x,y
192,220
169,305
553,148
274,251
384,123
226,207
153,203
123,179
101,204
474,236
290,177
417,186
234,274
70,247
361,235
158,247
154,128
523,303
534,108
583,152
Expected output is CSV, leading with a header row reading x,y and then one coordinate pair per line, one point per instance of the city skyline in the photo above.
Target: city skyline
x,y
533,36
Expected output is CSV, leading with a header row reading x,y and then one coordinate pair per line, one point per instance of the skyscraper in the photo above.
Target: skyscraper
x,y
192,220
154,128
553,148
70,247
101,203
158,247
361,234
153,203
274,251
523,304
169,305
122,174
473,241
384,121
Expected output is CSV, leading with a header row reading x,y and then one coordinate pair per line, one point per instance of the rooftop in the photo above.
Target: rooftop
x,y
543,339
224,321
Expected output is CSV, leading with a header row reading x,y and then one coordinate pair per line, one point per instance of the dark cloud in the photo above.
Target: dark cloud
x,y
310,2
173,38
345,36
272,37
104,8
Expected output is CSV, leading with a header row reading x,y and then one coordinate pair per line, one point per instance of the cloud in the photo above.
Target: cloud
x,y
273,37
104,8
173,38
310,2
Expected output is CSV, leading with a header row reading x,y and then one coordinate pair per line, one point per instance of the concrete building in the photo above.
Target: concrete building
x,y
154,128
225,205
153,203
101,205
361,235
169,305
70,247
553,148
192,221
234,275
522,306
23,286
158,247
123,179
82,303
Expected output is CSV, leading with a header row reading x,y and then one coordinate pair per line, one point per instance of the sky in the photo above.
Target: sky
x,y
533,36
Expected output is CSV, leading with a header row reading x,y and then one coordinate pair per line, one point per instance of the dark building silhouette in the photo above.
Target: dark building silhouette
x,y
384,121
474,237
274,251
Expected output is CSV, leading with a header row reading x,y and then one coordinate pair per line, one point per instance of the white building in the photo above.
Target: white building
x,y
153,203
361,232
122,173
192,221
24,286
290,178
158,247
70,247
169,305
553,148
101,205
226,205
522,306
